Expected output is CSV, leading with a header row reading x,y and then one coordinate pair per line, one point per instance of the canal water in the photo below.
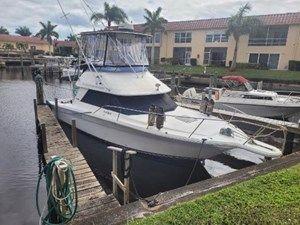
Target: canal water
x,y
19,159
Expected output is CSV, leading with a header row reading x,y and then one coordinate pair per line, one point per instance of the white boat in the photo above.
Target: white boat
x,y
113,101
70,69
250,101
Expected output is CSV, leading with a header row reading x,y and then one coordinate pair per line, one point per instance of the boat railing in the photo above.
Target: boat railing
x,y
258,134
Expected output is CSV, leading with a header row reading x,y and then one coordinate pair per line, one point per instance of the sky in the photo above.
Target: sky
x,y
28,13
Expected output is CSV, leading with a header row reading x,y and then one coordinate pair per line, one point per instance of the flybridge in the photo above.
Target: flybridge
x,y
115,48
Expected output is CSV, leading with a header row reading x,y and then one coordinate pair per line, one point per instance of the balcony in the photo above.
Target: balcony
x,y
267,41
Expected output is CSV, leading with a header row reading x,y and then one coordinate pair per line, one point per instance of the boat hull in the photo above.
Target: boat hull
x,y
269,111
259,110
142,141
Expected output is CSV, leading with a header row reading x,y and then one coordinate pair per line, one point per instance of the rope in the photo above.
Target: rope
x,y
61,197
195,163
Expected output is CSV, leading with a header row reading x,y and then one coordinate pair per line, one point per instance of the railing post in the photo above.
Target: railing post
x,y
74,133
44,138
39,89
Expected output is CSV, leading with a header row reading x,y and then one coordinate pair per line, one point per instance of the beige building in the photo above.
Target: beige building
x,y
34,44
206,42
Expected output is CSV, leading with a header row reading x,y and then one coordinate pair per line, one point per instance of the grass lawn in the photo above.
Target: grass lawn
x,y
269,199
220,71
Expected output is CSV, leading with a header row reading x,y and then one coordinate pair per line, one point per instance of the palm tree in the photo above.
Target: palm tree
x,y
8,47
239,25
154,23
3,30
112,14
23,31
71,37
47,32
22,46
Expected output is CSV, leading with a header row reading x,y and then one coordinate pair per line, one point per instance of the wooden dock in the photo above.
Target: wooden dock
x,y
92,199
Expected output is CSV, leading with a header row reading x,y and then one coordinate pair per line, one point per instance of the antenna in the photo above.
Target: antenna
x,y
79,44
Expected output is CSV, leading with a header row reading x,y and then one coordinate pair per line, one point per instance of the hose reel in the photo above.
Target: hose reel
x,y
61,192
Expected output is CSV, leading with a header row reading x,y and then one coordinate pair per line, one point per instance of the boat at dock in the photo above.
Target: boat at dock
x,y
120,101
246,99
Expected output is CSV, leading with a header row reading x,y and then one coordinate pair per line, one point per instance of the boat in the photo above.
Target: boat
x,y
256,102
119,101
70,69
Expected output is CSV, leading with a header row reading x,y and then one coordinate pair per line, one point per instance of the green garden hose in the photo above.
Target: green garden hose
x,y
61,192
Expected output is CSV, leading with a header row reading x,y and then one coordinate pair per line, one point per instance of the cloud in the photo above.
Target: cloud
x,y
29,12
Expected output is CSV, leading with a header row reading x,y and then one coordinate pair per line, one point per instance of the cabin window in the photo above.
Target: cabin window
x,y
118,103
257,97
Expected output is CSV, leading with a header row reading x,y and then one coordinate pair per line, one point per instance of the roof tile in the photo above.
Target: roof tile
x,y
271,19
27,39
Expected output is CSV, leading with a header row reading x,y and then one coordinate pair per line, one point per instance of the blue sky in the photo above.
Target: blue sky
x,y
16,13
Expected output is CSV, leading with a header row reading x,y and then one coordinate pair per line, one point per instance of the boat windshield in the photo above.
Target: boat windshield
x,y
130,105
115,49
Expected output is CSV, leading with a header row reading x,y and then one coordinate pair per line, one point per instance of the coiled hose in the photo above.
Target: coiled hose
x,y
61,192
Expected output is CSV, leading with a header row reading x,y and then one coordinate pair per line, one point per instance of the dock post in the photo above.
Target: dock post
x,y
179,80
289,143
74,133
116,181
35,114
56,108
22,64
44,138
127,168
39,89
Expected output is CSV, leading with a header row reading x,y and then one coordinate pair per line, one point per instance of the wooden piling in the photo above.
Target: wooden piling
x,y
39,90
74,133
56,108
44,138
127,175
115,171
22,64
35,113
289,143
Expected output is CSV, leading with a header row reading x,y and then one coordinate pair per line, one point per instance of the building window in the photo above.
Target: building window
x,y
149,40
253,57
266,60
216,38
269,36
157,38
215,56
224,38
182,55
183,37
209,38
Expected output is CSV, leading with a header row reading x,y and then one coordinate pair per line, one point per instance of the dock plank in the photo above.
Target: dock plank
x,y
92,198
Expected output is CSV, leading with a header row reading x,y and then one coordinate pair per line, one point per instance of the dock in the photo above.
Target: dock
x,y
92,199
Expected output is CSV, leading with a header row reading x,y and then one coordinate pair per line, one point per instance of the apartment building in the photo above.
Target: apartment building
x,y
33,43
277,42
